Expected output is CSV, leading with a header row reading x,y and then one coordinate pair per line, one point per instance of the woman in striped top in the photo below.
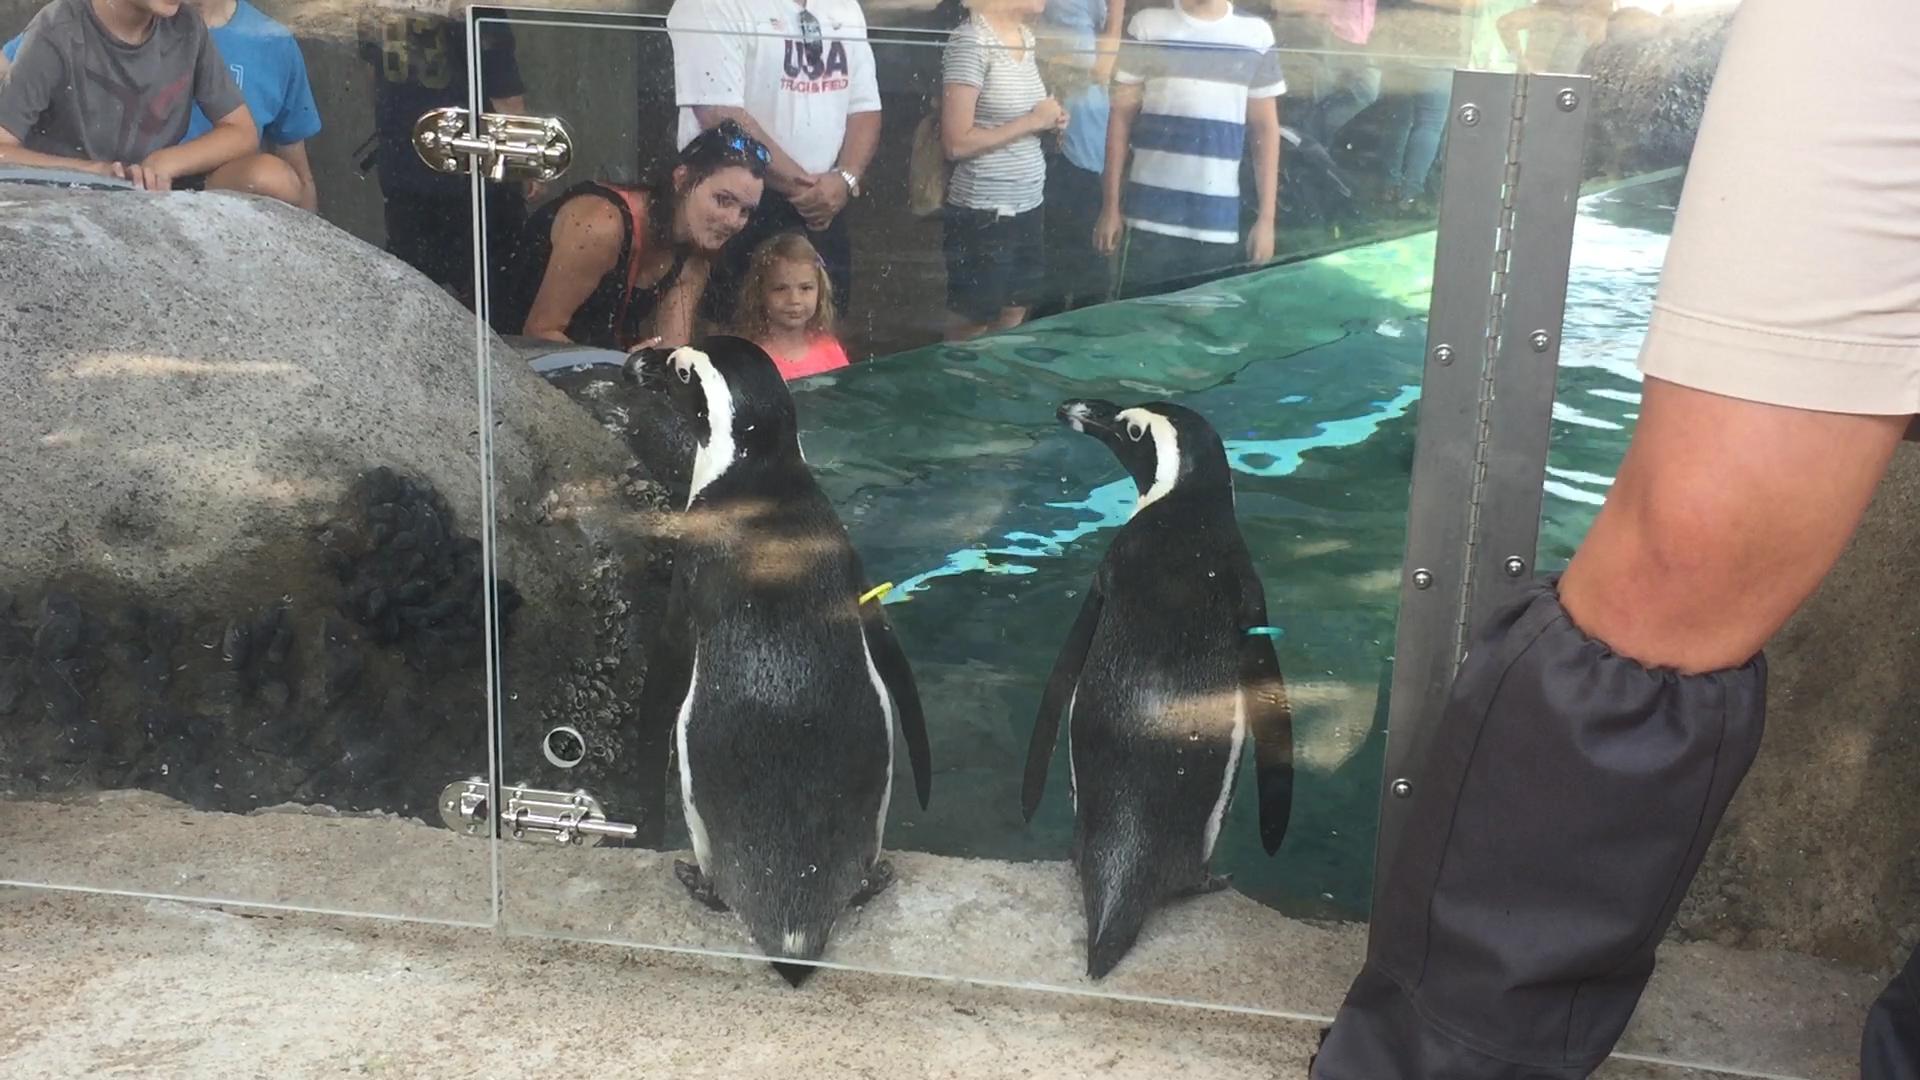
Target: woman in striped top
x,y
993,110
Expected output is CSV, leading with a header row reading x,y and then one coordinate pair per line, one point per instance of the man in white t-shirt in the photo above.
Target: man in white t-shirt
x,y
799,75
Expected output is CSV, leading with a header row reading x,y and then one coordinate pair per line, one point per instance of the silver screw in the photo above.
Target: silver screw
x,y
1444,354
1516,566
1422,579
1470,114
1568,100
1541,339
1402,789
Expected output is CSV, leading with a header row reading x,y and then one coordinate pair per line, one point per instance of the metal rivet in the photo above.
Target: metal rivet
x,y
1470,113
1402,789
1568,100
1443,354
1422,578
1516,566
1541,339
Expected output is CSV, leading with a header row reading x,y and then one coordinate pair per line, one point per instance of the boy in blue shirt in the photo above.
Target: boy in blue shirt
x,y
265,61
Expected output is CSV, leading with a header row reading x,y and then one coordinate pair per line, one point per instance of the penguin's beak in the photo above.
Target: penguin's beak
x,y
1089,416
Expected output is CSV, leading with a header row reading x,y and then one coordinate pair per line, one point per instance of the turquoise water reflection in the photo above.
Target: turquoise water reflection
x,y
988,518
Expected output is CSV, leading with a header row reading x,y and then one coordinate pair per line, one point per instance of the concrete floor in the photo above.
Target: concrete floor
x,y
112,987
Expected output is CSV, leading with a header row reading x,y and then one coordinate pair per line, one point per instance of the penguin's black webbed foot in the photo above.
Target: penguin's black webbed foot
x,y
697,885
878,878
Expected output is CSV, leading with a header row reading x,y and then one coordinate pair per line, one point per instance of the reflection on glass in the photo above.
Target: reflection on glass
x,y
982,521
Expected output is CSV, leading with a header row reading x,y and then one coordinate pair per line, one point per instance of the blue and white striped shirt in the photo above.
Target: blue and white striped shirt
x,y
1196,76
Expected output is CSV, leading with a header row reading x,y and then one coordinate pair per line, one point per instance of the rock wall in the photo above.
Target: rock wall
x,y
1651,78
1817,852
240,552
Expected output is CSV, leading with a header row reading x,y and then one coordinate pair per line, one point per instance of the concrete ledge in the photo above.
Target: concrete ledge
x,y
188,991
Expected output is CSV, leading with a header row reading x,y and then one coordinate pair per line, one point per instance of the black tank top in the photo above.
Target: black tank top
x,y
616,313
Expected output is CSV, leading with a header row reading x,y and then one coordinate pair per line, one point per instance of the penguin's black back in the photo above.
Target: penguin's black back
x,y
788,739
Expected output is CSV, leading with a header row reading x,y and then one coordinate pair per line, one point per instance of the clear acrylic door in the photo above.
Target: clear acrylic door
x,y
242,637
980,518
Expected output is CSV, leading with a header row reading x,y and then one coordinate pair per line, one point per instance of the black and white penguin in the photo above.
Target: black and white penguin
x,y
774,667
1168,673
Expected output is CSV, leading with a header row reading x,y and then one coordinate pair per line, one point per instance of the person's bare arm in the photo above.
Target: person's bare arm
x,y
295,155
231,138
673,323
1263,134
784,174
1125,107
12,153
822,202
1107,46
961,139
585,246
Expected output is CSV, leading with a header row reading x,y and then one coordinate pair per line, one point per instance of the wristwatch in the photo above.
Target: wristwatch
x,y
853,183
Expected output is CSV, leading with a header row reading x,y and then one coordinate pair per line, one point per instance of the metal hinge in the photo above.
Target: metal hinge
x,y
504,147
531,814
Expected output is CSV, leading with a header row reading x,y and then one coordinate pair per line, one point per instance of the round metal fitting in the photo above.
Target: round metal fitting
x,y
1443,354
564,746
1422,579
1541,339
1470,113
1402,789
1569,101
1516,566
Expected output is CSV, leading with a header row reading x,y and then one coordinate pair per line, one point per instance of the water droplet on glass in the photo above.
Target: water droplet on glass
x,y
1180,772
1193,736
1327,896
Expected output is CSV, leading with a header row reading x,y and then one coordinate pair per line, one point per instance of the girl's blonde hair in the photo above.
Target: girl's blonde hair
x,y
750,316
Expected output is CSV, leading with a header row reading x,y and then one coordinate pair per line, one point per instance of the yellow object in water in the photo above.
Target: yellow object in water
x,y
879,590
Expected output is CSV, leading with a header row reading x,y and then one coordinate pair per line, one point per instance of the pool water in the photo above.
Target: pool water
x,y
961,489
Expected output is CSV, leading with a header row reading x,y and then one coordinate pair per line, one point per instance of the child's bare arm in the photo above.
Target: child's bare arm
x,y
12,153
232,137
1263,131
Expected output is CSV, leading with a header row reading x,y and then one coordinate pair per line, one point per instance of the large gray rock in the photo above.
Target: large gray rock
x,y
240,534
1817,853
1651,77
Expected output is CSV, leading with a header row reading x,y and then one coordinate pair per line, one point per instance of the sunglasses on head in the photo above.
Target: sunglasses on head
x,y
810,32
731,138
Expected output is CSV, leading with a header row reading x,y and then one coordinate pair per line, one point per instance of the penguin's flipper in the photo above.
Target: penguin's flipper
x,y
1270,721
669,676
891,662
1060,684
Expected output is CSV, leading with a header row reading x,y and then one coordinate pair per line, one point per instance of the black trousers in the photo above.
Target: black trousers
x,y
1559,811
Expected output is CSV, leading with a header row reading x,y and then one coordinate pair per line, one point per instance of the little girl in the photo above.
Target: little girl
x,y
786,307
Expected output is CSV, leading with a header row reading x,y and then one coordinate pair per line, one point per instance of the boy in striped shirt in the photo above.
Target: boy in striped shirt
x,y
1196,83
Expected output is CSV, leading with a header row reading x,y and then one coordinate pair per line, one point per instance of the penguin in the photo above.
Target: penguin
x,y
1166,677
774,674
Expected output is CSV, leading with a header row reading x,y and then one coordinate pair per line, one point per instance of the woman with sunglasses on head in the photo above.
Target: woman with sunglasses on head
x,y
616,267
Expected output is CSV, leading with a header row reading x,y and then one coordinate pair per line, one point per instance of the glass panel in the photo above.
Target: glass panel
x,y
241,639
1773,959
985,517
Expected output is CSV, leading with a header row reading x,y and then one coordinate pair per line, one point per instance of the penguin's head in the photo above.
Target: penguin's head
x,y
1164,447
732,396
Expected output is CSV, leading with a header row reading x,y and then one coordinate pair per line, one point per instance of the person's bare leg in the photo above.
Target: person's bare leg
x,y
258,174
1724,518
1592,739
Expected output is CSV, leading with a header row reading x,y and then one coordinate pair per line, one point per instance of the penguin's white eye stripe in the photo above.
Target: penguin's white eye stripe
x,y
1135,431
686,372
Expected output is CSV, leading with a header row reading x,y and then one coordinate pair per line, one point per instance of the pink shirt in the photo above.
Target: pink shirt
x,y
1351,20
823,354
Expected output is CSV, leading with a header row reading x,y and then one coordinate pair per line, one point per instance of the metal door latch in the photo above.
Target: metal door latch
x,y
505,146
531,814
